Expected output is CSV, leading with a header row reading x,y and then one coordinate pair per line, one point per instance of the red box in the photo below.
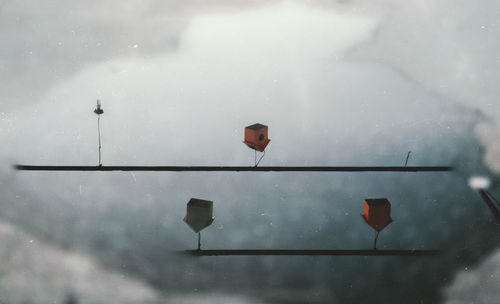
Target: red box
x,y
377,213
256,137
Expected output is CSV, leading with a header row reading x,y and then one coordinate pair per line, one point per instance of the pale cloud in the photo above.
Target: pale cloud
x,y
478,284
450,48
34,271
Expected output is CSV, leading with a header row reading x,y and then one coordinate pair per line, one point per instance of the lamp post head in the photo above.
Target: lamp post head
x,y
98,110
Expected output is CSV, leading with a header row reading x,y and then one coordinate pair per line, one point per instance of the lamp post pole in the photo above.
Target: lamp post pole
x,y
98,110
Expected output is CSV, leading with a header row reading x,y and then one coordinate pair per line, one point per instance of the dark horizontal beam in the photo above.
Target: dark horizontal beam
x,y
236,168
341,252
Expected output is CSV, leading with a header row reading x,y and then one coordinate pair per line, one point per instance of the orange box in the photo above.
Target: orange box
x,y
256,137
377,213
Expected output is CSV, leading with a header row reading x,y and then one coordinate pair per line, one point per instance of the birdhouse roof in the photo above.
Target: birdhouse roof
x,y
195,202
377,201
256,126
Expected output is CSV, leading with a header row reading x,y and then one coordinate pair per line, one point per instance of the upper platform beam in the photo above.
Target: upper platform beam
x,y
239,168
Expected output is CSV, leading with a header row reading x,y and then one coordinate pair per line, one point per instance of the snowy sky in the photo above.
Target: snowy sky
x,y
339,83
229,56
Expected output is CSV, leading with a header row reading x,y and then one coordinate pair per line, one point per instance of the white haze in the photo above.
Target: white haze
x,y
343,84
478,284
36,272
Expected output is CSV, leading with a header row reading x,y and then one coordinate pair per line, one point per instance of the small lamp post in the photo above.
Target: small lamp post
x,y
99,111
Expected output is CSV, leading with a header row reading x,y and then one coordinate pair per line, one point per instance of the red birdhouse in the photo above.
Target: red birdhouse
x,y
377,213
256,137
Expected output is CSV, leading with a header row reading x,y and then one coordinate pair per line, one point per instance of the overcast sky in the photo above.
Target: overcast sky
x,y
338,83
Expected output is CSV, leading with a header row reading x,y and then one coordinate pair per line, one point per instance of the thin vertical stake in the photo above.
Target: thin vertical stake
x,y
407,157
375,242
199,240
99,136
258,162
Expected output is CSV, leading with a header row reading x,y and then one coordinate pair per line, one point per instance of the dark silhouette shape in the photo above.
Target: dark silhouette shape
x,y
199,216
